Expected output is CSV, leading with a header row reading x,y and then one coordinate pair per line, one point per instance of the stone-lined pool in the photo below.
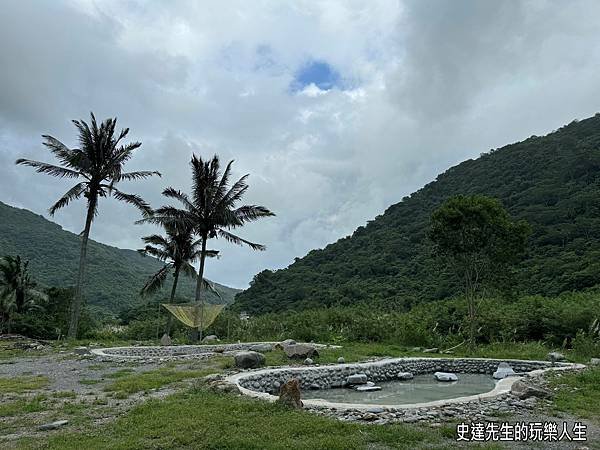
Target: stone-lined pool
x,y
422,388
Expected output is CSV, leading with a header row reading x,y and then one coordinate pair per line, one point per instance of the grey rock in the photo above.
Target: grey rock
x,y
308,362
556,356
595,362
524,390
210,338
405,376
262,348
445,376
375,410
166,340
53,425
249,360
81,351
358,378
341,360
314,387
300,351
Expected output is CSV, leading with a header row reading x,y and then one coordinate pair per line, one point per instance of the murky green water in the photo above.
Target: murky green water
x,y
423,388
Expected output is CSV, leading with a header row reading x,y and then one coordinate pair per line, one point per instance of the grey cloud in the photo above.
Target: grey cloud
x,y
434,83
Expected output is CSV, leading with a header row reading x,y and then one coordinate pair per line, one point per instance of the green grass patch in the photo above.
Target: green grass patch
x,y
22,406
119,373
145,381
64,394
579,393
206,420
22,384
89,381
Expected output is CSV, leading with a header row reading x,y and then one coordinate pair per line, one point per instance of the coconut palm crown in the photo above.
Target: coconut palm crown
x,y
98,166
178,250
211,209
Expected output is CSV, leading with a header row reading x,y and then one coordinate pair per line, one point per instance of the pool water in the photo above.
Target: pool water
x,y
422,388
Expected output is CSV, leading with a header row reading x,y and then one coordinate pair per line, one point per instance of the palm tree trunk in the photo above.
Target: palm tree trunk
x,y
172,299
199,284
77,298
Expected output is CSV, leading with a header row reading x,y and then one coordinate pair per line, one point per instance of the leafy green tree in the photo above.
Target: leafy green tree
x,y
98,164
18,292
476,238
178,249
210,210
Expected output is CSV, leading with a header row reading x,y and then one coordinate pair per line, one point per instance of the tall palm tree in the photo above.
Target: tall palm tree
x,y
98,164
211,210
18,291
178,250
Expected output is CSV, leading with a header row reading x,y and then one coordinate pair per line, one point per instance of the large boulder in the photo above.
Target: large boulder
x,y
249,360
504,370
261,348
595,362
444,376
210,339
289,394
81,351
525,390
300,351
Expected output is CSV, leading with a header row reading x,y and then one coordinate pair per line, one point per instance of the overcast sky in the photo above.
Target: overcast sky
x,y
337,109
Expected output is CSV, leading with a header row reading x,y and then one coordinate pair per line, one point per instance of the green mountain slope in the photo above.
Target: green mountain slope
x,y
114,275
553,182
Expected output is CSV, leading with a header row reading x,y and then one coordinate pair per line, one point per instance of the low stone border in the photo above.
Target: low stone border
x,y
146,352
265,382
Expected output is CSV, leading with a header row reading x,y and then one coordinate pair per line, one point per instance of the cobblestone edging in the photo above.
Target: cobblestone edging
x,y
148,352
265,382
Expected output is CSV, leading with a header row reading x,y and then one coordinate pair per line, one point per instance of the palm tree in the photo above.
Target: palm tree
x,y
210,210
178,250
18,291
98,164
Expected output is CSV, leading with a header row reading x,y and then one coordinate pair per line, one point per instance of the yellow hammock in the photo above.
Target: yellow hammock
x,y
195,316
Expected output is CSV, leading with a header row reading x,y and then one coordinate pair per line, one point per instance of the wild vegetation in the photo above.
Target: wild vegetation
x,y
114,276
551,182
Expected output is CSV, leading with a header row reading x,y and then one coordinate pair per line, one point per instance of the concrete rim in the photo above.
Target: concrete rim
x,y
502,386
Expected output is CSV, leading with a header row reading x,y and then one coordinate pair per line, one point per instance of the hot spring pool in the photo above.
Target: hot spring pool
x,y
422,388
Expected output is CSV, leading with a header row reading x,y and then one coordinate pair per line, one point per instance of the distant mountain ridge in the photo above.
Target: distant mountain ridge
x,y
114,275
553,182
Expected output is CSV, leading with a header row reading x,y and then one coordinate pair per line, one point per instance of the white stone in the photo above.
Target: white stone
x,y
366,388
504,370
405,376
444,376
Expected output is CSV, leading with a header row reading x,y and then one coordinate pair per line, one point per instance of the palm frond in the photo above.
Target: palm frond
x,y
249,213
132,199
156,252
72,194
50,169
239,241
139,175
156,281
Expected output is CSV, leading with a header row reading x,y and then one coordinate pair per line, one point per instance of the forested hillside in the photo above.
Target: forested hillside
x,y
114,275
551,181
